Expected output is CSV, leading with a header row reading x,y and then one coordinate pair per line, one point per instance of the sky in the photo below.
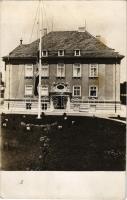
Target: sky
x,y
105,18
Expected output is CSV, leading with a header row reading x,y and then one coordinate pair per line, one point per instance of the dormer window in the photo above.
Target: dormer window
x,y
61,53
44,53
77,52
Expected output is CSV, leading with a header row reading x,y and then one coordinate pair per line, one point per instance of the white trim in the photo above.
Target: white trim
x,y
73,90
43,53
74,66
96,90
62,52
75,52
58,65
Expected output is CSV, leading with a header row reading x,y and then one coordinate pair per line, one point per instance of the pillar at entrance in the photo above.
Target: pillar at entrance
x,y
51,105
68,104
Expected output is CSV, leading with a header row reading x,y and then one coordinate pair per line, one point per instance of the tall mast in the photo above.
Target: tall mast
x,y
40,56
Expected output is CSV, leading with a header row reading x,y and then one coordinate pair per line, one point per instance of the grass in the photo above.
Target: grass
x,y
75,144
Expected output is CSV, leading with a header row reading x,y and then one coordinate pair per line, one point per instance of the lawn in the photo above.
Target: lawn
x,y
74,144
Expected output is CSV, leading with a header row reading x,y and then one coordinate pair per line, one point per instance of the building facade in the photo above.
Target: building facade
x,y
79,74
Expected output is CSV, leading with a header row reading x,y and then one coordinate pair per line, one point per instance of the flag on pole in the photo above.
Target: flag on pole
x,y
36,84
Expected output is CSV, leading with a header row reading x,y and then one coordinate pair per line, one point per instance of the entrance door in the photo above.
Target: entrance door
x,y
59,102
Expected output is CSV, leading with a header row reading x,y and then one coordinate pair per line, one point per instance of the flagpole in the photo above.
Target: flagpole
x,y
40,57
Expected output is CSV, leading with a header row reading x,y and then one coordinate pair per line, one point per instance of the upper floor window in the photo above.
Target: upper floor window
x,y
93,91
44,90
77,70
61,53
45,70
77,90
61,70
93,71
44,53
28,89
77,52
29,70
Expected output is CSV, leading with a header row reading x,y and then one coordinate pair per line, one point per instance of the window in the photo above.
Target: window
x,y
77,90
44,53
44,106
77,52
93,70
61,70
29,70
28,90
2,94
93,91
61,53
44,90
45,71
77,70
28,106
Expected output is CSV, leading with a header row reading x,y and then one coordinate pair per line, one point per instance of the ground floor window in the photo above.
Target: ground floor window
x,y
44,106
45,70
93,91
28,106
77,90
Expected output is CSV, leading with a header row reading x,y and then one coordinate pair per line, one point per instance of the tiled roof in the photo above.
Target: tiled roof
x,y
69,41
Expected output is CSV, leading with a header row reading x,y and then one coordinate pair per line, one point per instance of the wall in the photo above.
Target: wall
x,y
15,81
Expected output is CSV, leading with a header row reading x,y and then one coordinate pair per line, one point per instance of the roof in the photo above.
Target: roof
x,y
89,45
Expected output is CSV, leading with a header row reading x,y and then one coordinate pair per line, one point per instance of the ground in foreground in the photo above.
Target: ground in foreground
x,y
75,143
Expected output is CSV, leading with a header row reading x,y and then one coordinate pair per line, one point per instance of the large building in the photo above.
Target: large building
x,y
79,74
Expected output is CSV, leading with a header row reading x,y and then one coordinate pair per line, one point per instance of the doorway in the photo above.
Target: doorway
x,y
59,102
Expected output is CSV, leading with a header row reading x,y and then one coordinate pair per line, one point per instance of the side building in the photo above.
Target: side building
x,y
79,74
1,89
123,93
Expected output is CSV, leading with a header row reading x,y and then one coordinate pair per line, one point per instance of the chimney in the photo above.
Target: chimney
x,y
45,31
82,29
98,37
21,40
102,39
